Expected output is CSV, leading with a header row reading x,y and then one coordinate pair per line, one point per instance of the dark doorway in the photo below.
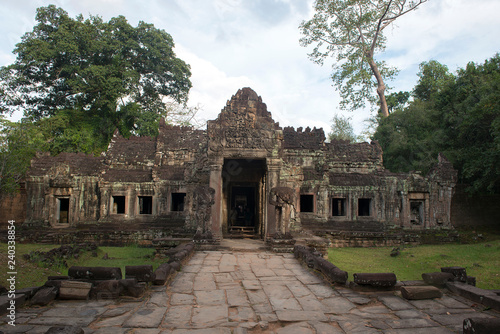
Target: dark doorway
x,y
306,203
178,201
145,205
119,204
242,209
63,204
364,205
338,207
243,198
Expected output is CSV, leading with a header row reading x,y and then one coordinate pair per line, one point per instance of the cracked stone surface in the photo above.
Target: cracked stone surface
x,y
252,292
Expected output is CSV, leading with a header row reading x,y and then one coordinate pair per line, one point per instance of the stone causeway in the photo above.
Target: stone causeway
x,y
249,291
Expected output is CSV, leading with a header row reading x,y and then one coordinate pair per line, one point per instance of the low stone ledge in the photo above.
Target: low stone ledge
x,y
143,273
106,290
481,325
420,292
384,280
162,274
74,290
438,279
95,273
486,297
314,260
459,273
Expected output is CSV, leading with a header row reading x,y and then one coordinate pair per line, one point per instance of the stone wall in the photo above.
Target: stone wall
x,y
158,185
13,208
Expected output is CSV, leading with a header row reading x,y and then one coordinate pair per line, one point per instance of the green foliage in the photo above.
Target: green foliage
x,y
342,129
456,115
18,144
351,33
397,101
105,70
410,139
77,80
433,79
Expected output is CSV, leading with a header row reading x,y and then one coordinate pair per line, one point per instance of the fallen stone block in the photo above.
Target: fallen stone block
x,y
95,273
135,291
106,290
28,292
481,325
420,292
132,288
437,278
180,256
471,280
162,274
142,273
375,279
74,290
44,296
459,273
176,265
65,330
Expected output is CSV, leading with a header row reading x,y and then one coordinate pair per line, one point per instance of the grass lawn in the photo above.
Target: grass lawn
x,y
32,274
482,260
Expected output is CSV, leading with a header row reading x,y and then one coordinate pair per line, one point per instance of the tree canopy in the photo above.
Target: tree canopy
x,y
110,74
351,31
458,115
77,80
342,129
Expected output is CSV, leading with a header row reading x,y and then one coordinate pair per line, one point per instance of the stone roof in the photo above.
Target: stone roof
x,y
65,164
129,160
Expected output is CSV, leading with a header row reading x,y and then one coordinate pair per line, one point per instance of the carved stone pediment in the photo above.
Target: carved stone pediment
x,y
61,170
244,123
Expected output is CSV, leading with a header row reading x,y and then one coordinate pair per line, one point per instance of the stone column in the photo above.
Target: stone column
x,y
272,180
216,184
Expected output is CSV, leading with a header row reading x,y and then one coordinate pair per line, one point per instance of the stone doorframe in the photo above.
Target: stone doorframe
x,y
272,169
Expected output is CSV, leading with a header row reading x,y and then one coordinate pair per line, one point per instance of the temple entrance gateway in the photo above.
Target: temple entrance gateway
x,y
243,193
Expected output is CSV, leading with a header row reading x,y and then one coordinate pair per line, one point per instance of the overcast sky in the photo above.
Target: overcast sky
x,y
232,44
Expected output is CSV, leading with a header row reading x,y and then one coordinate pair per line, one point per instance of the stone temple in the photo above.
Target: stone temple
x,y
244,174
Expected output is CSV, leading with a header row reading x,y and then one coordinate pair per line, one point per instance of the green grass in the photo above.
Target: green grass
x,y
481,260
34,274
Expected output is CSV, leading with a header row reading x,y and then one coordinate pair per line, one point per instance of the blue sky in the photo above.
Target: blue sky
x,y
232,44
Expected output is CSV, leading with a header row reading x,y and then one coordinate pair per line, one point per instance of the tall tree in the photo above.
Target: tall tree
x,y
458,115
351,31
117,75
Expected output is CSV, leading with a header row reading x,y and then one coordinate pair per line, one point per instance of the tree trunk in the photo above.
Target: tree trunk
x,y
380,86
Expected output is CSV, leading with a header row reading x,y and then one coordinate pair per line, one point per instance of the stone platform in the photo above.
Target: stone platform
x,y
253,292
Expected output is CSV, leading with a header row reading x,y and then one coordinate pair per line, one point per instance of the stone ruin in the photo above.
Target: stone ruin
x,y
243,174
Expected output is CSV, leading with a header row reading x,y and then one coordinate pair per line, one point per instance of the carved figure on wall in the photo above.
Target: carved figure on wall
x,y
283,199
203,199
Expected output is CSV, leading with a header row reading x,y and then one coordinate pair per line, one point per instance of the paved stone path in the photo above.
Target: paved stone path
x,y
253,292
